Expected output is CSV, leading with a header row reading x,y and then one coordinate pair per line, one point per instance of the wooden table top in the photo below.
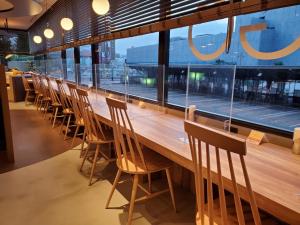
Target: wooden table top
x,y
273,170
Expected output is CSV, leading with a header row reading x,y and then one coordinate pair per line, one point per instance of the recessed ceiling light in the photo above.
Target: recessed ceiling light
x,y
5,6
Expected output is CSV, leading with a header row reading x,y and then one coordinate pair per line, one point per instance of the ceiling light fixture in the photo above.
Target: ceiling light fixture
x,y
48,32
8,56
66,24
101,7
37,39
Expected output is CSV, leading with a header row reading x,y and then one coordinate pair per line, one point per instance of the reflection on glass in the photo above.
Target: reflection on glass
x,y
86,65
70,64
266,92
54,65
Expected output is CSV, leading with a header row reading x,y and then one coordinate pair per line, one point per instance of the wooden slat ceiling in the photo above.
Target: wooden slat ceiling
x,y
135,17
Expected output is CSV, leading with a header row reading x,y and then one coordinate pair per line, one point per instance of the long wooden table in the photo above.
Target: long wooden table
x,y
273,170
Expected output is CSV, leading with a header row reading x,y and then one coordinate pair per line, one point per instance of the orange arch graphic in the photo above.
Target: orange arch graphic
x,y
265,55
218,52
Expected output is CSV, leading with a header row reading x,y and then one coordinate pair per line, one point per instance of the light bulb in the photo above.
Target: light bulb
x,y
66,23
48,33
37,39
101,7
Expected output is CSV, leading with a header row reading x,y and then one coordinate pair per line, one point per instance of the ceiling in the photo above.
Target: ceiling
x,y
24,13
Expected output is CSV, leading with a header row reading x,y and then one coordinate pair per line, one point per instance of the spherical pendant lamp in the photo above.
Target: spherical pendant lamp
x,y
37,39
101,7
66,23
48,33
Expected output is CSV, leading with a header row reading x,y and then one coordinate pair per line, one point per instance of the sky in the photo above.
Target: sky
x,y
213,27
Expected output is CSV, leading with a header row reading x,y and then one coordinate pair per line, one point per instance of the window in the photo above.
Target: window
x,y
266,92
86,65
70,64
129,65
54,65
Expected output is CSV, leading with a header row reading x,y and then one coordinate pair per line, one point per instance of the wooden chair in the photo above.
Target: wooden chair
x,y
204,143
29,90
66,105
55,101
37,89
95,133
46,100
132,159
78,115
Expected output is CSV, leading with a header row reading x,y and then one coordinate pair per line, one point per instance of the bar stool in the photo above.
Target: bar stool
x,y
78,115
207,144
29,90
95,133
66,105
55,101
132,159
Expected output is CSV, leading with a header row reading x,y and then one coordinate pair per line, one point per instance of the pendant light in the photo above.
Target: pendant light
x,y
37,39
66,23
48,32
101,7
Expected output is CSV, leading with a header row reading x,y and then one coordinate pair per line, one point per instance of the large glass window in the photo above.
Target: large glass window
x,y
70,64
266,92
54,64
86,65
129,65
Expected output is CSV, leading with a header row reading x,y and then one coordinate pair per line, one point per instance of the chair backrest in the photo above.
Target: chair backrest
x,y
75,100
126,141
216,141
44,86
35,81
65,102
25,83
52,91
91,123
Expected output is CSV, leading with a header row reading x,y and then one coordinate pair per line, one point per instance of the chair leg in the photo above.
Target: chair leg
x,y
35,100
62,124
46,109
149,183
94,163
168,173
55,115
84,158
26,97
133,195
82,144
68,123
113,187
75,135
40,104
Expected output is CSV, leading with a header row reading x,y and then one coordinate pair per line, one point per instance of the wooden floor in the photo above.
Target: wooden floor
x,y
34,139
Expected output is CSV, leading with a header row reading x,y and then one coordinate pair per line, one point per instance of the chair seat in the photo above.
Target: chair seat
x,y
46,99
79,122
30,90
93,139
154,163
68,111
232,216
56,104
